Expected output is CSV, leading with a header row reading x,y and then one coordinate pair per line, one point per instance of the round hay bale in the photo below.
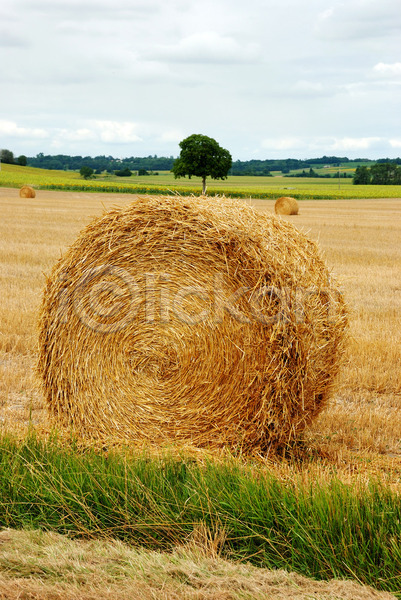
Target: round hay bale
x,y
27,192
286,206
195,320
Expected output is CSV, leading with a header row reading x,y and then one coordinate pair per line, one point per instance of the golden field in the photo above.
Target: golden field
x,y
360,430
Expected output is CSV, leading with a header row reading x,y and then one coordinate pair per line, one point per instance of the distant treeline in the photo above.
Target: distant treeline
x,y
163,163
99,164
264,167
386,172
151,164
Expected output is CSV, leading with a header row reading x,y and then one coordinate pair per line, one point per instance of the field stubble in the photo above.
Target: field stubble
x,y
359,429
35,564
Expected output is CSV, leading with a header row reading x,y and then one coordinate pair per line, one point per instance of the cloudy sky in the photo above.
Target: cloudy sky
x,y
266,79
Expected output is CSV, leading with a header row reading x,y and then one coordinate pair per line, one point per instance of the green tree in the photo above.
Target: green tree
x,y
123,173
385,174
362,176
6,156
203,157
22,160
86,172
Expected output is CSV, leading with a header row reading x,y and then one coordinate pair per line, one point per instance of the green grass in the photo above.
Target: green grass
x,y
321,531
164,183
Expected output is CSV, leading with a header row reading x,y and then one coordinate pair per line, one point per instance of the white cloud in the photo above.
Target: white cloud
x,y
395,143
117,132
321,144
359,19
11,129
348,143
117,9
326,14
172,135
77,135
285,143
388,70
311,88
108,132
207,47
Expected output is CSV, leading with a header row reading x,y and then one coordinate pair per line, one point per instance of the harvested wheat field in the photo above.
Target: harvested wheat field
x,y
186,319
358,241
355,436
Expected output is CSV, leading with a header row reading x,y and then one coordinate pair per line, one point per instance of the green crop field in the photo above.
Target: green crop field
x,y
164,183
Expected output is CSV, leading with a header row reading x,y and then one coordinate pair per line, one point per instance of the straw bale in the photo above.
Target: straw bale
x,y
193,320
286,206
27,192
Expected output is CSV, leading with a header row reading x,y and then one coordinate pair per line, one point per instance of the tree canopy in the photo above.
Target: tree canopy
x,y
86,172
381,173
123,173
6,156
201,156
362,175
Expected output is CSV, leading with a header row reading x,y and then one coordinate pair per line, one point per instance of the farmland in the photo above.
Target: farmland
x,y
164,183
350,456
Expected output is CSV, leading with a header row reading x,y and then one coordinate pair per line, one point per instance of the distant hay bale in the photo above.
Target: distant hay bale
x,y
286,206
27,192
194,320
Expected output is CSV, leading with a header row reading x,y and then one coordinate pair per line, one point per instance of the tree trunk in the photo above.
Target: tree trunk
x,y
203,186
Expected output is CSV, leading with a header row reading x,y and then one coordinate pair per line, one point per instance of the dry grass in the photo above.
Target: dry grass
x,y
176,358
46,566
361,426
